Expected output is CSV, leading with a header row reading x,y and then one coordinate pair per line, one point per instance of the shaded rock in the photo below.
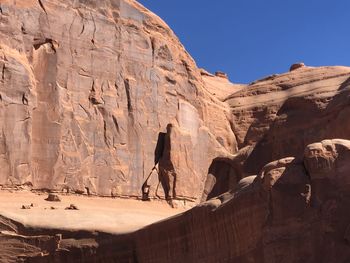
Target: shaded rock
x,y
26,207
296,66
280,115
72,207
189,148
221,74
53,198
222,177
270,218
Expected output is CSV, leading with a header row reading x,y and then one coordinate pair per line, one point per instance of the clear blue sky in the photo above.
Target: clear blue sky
x,y
249,39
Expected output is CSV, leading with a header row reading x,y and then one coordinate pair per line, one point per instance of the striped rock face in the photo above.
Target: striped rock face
x,y
101,97
86,89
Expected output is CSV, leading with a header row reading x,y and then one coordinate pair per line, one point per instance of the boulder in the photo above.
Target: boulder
x,y
53,198
296,66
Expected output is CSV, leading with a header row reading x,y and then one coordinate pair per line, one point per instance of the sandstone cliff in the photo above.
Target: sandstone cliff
x,y
94,94
295,210
280,115
88,89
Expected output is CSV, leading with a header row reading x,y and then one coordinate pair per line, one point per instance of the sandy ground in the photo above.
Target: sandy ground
x,y
95,213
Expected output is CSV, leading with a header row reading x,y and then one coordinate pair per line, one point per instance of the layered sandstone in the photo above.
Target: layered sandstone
x,y
295,210
280,115
93,95
86,91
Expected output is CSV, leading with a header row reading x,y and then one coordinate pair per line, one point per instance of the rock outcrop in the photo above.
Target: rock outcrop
x,y
295,210
280,115
86,90
101,97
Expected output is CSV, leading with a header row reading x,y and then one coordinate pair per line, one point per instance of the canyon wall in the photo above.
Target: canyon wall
x,y
87,90
94,94
294,210
280,115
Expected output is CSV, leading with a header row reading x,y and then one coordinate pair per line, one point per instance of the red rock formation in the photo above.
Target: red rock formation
x,y
279,116
295,210
87,88
95,94
290,212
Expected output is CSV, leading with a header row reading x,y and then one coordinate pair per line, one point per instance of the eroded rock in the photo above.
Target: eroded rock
x,y
280,115
296,66
85,91
53,198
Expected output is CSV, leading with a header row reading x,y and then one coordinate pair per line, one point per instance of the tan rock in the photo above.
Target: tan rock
x,y
280,115
221,74
86,89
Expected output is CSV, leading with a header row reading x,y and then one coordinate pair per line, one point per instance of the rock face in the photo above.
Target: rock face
x,y
279,116
85,91
94,95
295,210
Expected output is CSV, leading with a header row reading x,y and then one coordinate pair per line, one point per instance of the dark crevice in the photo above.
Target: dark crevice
x,y
24,99
158,152
94,32
345,84
23,30
87,113
39,43
94,101
222,177
170,80
3,72
42,6
116,86
128,97
105,134
27,118
153,49
116,123
92,97
167,173
82,30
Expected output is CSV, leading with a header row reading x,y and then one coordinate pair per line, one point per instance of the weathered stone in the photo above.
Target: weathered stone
x,y
86,89
101,98
296,66
221,74
280,115
72,207
53,198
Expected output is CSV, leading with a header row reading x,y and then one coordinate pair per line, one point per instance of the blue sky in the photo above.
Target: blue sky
x,y
250,39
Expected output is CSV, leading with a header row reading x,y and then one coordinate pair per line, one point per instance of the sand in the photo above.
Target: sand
x,y
95,213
